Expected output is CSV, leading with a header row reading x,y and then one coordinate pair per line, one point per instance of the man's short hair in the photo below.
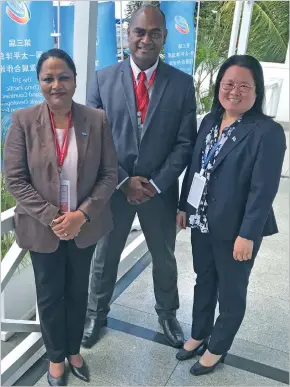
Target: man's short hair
x,y
140,9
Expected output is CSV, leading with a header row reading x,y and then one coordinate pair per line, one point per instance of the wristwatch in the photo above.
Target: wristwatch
x,y
88,219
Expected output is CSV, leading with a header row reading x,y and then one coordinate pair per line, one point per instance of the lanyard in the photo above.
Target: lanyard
x,y
226,133
150,83
209,156
61,153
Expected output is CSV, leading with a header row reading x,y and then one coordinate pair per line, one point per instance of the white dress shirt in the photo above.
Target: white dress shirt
x,y
148,72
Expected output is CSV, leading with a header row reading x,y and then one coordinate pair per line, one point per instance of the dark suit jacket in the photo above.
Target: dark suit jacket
x,y
32,177
244,180
169,129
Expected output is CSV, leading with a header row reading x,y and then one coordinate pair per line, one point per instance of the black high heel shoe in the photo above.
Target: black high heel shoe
x,y
198,369
82,372
184,354
56,381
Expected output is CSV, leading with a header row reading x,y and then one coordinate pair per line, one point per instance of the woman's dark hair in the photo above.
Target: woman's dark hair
x,y
250,63
56,53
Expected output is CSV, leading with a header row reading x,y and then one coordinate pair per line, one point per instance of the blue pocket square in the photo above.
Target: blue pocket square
x,y
84,133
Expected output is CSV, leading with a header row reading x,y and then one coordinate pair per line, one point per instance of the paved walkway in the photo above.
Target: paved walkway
x,y
133,350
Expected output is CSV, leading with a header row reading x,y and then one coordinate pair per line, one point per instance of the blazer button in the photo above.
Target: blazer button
x,y
213,199
215,177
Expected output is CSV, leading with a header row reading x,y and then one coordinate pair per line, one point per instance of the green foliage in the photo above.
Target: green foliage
x,y
131,7
7,201
268,40
211,52
269,34
7,240
134,5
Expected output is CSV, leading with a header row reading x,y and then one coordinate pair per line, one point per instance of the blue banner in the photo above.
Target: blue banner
x,y
106,35
26,27
180,44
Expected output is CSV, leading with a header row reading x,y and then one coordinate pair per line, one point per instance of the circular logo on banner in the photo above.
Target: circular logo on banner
x,y
181,25
18,11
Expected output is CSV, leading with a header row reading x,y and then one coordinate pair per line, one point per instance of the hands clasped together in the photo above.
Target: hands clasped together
x,y
138,190
243,248
68,225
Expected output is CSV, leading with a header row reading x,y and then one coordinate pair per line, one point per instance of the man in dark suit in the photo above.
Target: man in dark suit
x,y
152,111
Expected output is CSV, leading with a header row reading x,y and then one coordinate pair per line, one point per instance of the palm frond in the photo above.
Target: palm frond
x,y
267,38
269,32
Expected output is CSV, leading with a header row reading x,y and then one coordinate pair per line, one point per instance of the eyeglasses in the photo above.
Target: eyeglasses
x,y
229,86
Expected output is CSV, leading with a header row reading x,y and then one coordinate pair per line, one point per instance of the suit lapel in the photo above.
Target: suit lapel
x,y
157,93
128,89
46,136
82,132
243,129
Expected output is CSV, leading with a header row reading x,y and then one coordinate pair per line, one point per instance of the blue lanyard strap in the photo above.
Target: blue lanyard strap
x,y
220,142
226,133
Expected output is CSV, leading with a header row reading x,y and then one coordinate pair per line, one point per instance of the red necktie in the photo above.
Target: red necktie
x,y
142,96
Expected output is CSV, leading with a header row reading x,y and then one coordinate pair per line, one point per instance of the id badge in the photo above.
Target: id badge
x,y
196,190
65,196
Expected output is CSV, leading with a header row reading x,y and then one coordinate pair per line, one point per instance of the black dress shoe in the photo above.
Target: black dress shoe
x,y
82,372
56,381
172,331
92,332
184,354
198,369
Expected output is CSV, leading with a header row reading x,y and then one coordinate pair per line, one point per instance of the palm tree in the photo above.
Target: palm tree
x,y
208,61
269,33
133,5
268,39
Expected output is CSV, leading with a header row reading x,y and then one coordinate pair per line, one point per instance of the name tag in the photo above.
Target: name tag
x,y
65,196
196,190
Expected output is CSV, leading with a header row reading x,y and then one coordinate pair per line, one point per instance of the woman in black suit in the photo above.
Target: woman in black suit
x,y
226,199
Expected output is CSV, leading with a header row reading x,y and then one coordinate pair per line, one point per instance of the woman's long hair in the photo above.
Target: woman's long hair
x,y
250,63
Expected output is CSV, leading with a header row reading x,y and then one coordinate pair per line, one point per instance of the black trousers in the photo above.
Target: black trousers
x,y
62,279
158,221
219,277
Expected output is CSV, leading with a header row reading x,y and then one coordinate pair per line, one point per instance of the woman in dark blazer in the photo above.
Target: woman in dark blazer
x,y
235,172
60,165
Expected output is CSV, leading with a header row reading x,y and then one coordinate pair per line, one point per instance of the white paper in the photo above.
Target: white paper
x,y
196,190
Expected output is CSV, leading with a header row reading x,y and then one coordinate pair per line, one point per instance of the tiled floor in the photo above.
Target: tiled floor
x,y
225,376
122,359
131,358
